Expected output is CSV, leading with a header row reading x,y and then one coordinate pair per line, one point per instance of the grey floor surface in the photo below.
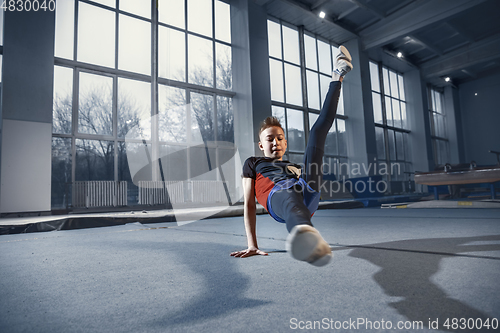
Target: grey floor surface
x,y
391,267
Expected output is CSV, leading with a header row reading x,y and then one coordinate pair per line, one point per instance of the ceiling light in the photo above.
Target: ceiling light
x,y
447,79
400,55
322,14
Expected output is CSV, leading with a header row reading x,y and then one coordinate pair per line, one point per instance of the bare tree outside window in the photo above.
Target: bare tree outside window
x,y
61,172
61,118
202,105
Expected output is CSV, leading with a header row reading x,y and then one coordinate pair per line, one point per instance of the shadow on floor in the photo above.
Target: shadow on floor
x,y
406,270
224,287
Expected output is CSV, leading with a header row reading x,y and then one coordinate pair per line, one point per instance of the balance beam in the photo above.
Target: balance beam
x,y
478,175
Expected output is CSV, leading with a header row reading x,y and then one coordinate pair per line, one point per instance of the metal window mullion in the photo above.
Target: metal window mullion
x,y
109,74
195,88
186,15
284,98
331,58
97,69
75,31
214,81
384,118
382,93
74,117
216,138
396,144
384,109
188,131
397,83
397,129
135,16
186,41
214,64
74,122
274,58
443,114
336,124
305,101
114,106
62,135
283,76
388,153
441,102
114,109
172,27
318,72
430,98
196,34
155,146
284,82
154,58
117,17
431,121
187,90
318,79
290,63
86,136
435,151
96,4
216,125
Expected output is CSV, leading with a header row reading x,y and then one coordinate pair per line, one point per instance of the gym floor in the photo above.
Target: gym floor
x,y
395,270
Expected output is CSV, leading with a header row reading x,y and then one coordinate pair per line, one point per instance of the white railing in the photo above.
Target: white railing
x,y
157,193
88,194
99,194
197,191
206,191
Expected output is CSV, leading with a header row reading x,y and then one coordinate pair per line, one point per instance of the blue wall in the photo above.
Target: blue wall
x,y
481,118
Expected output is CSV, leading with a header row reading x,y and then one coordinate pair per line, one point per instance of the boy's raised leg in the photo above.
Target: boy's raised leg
x,y
305,242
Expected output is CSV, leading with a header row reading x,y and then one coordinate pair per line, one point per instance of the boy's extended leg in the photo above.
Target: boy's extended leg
x,y
304,242
315,150
289,204
313,157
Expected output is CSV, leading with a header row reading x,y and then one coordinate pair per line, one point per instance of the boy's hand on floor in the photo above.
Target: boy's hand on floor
x,y
251,251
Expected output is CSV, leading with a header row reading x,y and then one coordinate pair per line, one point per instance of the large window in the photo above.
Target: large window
x,y
391,125
439,137
299,85
126,74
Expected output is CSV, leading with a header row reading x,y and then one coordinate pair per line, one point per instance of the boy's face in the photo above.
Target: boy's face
x,y
273,142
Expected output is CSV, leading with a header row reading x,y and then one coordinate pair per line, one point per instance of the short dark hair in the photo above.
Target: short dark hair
x,y
270,122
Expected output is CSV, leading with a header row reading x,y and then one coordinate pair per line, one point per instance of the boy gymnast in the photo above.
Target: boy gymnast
x,y
290,194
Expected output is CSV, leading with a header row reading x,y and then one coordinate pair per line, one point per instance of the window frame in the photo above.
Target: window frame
x,y
154,79
388,129
305,108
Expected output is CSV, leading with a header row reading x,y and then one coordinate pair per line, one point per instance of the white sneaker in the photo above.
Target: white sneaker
x,y
306,244
343,61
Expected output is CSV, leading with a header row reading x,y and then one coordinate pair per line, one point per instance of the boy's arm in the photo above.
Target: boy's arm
x,y
250,218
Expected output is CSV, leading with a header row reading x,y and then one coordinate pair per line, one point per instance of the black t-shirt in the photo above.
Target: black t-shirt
x,y
267,172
